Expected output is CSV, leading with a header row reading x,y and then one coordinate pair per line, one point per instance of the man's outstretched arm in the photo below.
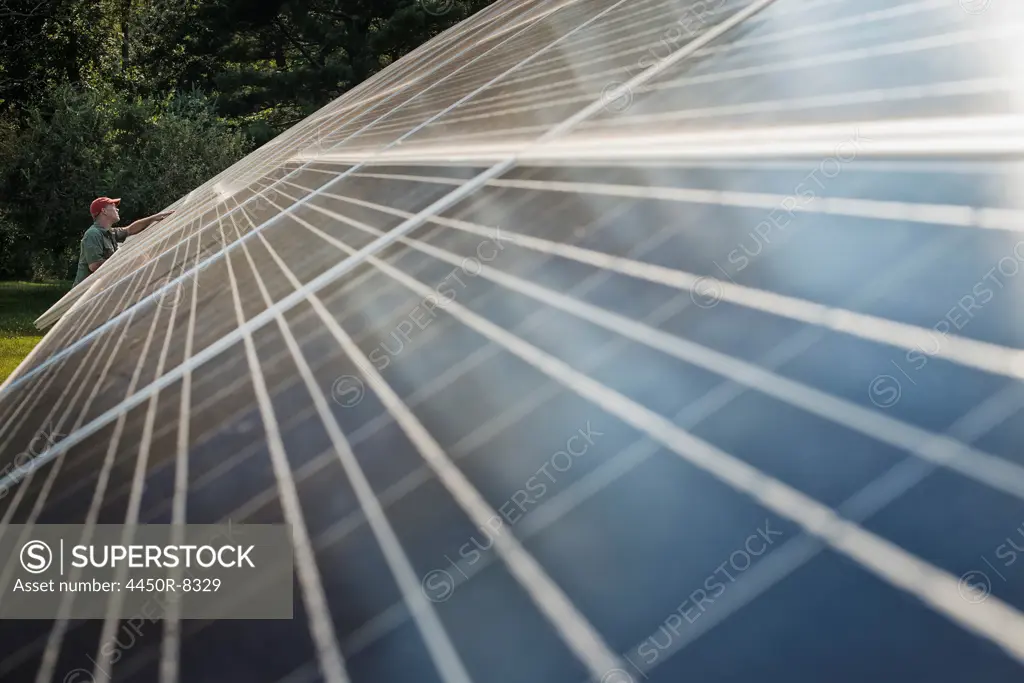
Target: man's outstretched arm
x,y
143,223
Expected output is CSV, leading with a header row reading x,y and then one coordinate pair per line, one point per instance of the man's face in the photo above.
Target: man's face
x,y
110,211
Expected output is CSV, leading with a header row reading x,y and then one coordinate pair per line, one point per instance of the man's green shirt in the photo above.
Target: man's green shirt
x,y
98,244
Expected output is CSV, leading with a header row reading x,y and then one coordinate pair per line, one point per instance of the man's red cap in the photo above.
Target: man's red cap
x,y
98,204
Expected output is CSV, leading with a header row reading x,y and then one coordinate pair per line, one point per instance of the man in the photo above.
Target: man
x,y
101,239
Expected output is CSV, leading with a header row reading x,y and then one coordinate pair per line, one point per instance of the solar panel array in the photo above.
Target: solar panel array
x,y
608,340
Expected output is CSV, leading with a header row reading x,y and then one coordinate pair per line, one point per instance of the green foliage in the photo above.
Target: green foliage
x,y
79,144
146,99
20,304
277,61
46,42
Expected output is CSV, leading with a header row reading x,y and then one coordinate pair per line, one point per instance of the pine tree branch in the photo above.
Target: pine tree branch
x,y
298,46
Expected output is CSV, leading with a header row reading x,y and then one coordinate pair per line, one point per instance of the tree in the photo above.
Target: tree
x,y
81,144
147,99
278,61
45,43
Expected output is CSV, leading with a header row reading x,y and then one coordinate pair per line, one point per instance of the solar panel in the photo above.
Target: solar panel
x,y
596,340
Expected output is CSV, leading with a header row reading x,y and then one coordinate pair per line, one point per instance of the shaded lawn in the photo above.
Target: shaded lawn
x,y
20,304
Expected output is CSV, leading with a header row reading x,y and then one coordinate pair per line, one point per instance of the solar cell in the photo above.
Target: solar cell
x,y
592,341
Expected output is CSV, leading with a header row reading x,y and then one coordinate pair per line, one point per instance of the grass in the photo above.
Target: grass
x,y
20,304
